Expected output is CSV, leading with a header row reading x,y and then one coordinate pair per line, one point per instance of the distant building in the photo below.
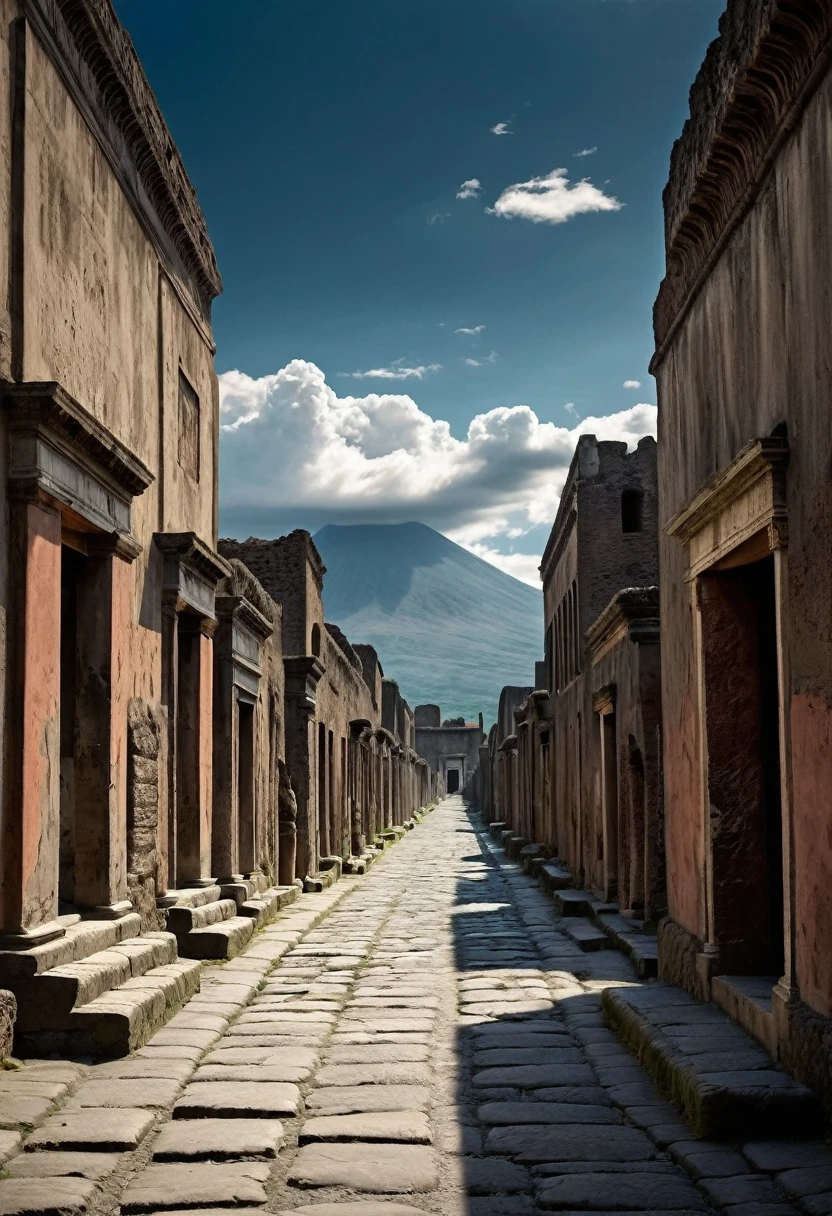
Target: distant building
x,y
452,752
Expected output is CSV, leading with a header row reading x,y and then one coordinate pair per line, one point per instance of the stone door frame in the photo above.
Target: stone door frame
x,y
737,517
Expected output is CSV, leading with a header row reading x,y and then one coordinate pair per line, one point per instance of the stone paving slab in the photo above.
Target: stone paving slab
x,y
93,1129
237,1099
391,1169
160,1188
218,1139
59,1164
546,1142
399,1127
358,1099
45,1196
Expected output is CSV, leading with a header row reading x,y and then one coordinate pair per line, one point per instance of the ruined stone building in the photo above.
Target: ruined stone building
x,y
451,749
349,733
169,762
574,762
742,326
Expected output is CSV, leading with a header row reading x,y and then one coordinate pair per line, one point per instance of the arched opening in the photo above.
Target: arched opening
x,y
316,641
632,503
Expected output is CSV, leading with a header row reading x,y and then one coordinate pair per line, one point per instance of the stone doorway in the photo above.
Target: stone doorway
x,y
452,784
742,728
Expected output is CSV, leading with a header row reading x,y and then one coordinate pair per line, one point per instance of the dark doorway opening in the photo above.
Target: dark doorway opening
x,y
73,565
247,825
453,780
742,723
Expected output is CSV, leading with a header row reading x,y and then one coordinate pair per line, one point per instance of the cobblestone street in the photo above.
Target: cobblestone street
x,y
422,1039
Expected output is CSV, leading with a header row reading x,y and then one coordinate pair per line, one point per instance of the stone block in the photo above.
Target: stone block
x,y
93,1129
399,1127
364,1167
45,1196
238,1100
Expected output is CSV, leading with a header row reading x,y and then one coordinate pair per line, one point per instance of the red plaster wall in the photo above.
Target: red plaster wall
x,y
811,724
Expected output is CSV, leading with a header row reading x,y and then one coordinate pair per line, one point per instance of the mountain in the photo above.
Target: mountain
x,y
449,627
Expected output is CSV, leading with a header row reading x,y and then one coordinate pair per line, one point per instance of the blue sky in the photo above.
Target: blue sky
x,y
328,143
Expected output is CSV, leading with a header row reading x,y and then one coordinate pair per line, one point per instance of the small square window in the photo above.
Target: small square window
x,y
188,446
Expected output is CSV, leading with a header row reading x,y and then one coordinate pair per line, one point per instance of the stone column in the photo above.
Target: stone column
x,y
30,825
302,675
225,833
287,828
102,688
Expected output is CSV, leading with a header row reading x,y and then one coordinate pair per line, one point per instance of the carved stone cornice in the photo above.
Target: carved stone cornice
x,y
94,48
191,572
359,726
508,744
633,613
756,79
59,453
241,610
741,500
303,673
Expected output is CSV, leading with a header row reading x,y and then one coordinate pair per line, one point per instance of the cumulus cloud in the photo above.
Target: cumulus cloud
x,y
553,199
502,128
473,330
293,450
632,384
469,189
396,371
472,362
585,152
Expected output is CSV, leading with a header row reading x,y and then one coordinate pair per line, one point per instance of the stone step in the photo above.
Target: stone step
x,y
81,939
223,940
586,935
747,999
641,948
720,1080
268,905
554,877
569,902
196,897
46,1000
121,1020
183,918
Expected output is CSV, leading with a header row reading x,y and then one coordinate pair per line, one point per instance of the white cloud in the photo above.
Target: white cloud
x,y
492,358
585,152
472,362
502,128
631,384
525,566
293,449
570,409
552,199
438,217
469,189
473,330
396,371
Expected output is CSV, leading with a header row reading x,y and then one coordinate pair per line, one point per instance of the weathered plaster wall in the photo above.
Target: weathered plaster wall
x,y
751,355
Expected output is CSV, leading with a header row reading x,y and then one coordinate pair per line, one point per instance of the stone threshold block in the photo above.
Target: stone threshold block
x,y
361,1207
719,1091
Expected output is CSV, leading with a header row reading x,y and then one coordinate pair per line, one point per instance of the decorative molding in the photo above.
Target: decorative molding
x,y
746,497
632,613
95,55
755,82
